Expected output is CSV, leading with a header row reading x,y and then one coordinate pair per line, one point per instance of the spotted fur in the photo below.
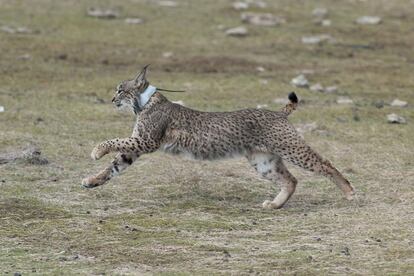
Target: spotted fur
x,y
265,137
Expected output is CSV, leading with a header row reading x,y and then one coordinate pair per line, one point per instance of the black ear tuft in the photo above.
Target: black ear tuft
x,y
293,98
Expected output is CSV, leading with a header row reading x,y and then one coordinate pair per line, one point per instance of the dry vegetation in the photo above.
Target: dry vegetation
x,y
168,215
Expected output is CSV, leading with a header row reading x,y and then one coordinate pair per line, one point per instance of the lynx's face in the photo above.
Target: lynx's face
x,y
128,91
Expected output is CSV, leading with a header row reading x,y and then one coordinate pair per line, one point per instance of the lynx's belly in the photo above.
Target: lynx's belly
x,y
203,152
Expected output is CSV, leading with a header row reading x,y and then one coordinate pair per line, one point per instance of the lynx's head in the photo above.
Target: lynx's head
x,y
133,94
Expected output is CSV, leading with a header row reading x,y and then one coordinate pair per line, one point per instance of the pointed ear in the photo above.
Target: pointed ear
x,y
142,76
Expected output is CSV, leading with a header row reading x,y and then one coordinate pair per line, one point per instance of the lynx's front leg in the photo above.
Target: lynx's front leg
x,y
130,149
124,145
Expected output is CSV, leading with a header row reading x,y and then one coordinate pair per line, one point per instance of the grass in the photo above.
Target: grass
x,y
167,215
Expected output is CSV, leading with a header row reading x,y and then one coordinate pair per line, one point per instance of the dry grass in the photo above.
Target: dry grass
x,y
167,215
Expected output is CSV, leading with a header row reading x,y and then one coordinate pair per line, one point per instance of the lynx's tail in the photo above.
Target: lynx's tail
x,y
292,105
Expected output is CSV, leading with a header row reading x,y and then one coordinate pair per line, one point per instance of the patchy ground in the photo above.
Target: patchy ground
x,y
169,215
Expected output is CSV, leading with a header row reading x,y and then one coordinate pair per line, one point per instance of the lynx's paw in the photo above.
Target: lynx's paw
x,y
99,151
92,182
350,195
267,204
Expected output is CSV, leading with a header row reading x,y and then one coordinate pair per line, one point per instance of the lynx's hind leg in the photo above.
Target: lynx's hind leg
x,y
271,167
300,154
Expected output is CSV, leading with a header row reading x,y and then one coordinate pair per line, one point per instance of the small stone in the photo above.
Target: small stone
x,y
18,30
317,87
264,81
1,108
344,100
23,30
8,29
167,54
300,81
399,103
369,20
317,39
103,14
17,274
262,19
320,12
260,69
326,23
131,20
237,31
395,119
179,102
24,57
331,89
240,6
166,3
260,106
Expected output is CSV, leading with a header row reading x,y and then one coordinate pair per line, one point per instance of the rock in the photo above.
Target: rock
x,y
317,39
261,19
395,119
237,31
317,88
167,3
103,14
324,22
167,54
260,69
240,6
281,101
8,29
369,20
1,108
399,103
320,12
331,89
300,81
131,20
344,100
260,106
24,57
18,30
179,102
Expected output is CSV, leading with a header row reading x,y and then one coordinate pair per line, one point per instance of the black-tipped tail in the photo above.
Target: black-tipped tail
x,y
293,98
292,105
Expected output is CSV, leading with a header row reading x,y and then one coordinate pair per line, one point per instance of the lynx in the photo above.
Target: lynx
x,y
265,137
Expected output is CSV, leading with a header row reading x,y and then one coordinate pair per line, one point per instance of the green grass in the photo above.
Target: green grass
x,y
171,216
